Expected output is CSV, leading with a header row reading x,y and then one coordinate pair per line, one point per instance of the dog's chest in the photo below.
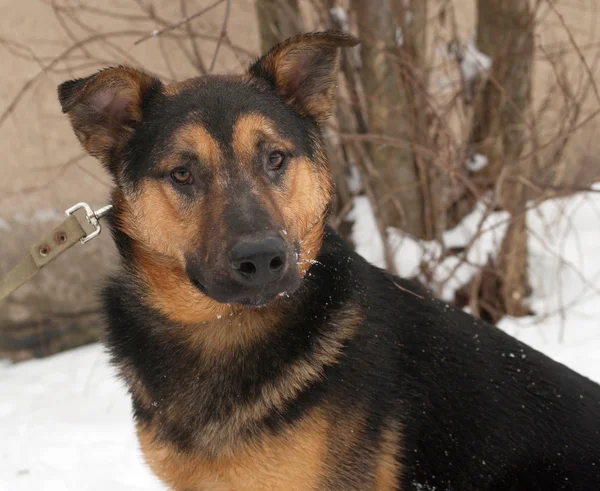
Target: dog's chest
x,y
294,460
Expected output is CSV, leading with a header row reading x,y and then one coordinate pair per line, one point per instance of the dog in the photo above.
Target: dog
x,y
260,351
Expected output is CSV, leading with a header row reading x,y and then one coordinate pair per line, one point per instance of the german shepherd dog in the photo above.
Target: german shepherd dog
x,y
260,351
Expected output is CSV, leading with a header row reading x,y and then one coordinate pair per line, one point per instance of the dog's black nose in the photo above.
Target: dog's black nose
x,y
258,262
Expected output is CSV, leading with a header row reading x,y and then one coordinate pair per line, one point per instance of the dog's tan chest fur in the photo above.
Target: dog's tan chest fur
x,y
293,460
301,458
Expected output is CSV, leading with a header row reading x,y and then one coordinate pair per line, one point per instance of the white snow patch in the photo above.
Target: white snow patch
x,y
564,271
398,34
473,61
410,252
490,228
399,37
452,272
4,224
476,162
66,425
341,17
365,235
354,182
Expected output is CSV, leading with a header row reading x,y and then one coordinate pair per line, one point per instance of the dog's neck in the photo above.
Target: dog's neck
x,y
221,395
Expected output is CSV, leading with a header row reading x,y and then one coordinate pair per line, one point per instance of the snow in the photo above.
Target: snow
x,y
565,272
365,235
66,426
340,16
450,273
476,162
66,420
354,182
473,61
398,36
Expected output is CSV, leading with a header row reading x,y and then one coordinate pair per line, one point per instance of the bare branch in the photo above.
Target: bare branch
x,y
222,36
186,20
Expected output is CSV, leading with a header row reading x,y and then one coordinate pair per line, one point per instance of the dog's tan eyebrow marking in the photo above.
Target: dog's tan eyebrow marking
x,y
250,129
194,140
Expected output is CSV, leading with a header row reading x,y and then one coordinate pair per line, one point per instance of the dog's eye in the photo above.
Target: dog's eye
x,y
182,176
276,159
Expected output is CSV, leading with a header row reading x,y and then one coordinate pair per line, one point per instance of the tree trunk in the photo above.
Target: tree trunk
x,y
505,33
387,98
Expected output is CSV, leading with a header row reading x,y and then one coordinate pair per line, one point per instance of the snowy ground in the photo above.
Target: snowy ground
x,y
564,266
65,425
65,421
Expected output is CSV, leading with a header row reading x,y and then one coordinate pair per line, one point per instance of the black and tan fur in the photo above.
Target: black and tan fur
x,y
331,374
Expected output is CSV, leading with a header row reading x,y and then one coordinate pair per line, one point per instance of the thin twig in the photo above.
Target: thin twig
x,y
193,41
407,291
158,32
577,49
222,36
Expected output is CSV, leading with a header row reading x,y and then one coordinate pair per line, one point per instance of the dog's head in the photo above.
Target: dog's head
x,y
222,181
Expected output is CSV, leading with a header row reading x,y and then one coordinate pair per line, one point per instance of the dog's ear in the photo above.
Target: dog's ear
x,y
104,108
303,70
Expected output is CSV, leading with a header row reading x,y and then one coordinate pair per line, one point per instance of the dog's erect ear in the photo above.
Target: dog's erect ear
x,y
303,70
104,108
